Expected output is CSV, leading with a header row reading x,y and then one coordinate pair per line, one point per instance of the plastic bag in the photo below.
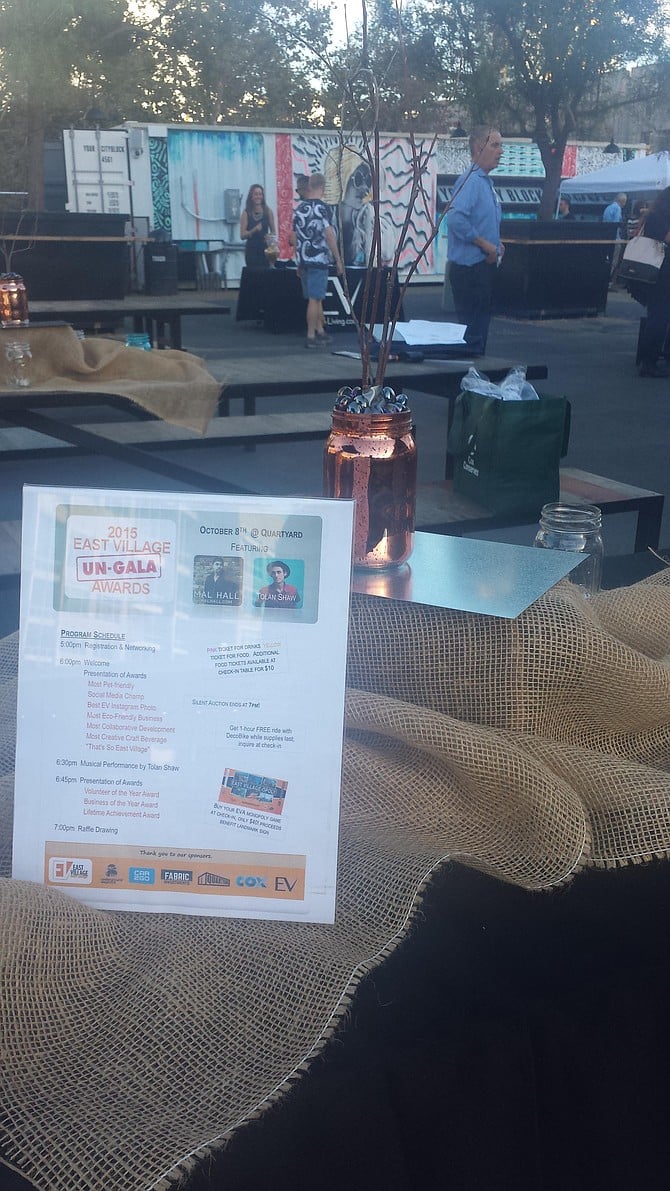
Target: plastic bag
x,y
514,387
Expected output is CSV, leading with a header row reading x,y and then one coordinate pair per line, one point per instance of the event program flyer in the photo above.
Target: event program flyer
x,y
181,695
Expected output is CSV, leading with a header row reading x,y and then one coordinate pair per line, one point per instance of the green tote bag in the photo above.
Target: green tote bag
x,y
507,453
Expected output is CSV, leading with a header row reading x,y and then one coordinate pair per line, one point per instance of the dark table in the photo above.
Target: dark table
x,y
438,378
29,407
557,269
159,318
515,1042
274,297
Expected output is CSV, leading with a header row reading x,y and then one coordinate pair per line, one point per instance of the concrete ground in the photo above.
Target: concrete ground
x,y
620,422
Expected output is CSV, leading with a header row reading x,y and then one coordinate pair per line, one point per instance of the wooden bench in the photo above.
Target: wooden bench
x,y
441,510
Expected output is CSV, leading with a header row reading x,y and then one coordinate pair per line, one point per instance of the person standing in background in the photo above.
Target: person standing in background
x,y
317,248
302,191
655,297
564,209
256,222
637,218
474,246
614,214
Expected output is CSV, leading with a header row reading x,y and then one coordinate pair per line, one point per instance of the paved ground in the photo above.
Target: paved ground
x,y
620,422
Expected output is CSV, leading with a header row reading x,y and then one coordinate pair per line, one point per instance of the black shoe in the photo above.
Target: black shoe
x,y
657,370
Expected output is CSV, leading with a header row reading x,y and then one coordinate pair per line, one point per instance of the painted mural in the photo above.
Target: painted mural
x,y
192,168
160,185
349,192
202,164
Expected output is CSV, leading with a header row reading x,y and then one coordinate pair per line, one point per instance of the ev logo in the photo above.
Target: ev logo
x,y
283,885
338,289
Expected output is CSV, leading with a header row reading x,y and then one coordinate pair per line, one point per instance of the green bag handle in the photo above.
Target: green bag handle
x,y
458,433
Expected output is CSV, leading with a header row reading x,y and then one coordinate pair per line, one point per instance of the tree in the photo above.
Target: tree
x,y
58,58
551,63
414,82
205,60
241,62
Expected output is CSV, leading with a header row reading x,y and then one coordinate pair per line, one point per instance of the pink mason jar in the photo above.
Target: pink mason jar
x,y
13,301
371,458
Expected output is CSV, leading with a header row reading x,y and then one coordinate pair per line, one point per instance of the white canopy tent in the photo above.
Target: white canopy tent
x,y
640,175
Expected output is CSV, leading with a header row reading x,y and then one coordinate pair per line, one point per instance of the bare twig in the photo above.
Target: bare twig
x,y
8,242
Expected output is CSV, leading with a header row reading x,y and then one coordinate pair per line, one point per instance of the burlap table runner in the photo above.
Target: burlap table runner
x,y
173,385
133,1044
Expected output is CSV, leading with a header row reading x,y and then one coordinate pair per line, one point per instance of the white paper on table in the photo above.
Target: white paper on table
x,y
179,737
418,331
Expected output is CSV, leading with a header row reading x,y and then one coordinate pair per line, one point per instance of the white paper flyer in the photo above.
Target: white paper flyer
x,y
181,694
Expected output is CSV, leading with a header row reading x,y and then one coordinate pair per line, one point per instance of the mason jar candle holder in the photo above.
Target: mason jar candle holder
x,y
371,458
13,301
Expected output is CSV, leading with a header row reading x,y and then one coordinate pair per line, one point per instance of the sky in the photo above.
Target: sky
x,y
338,9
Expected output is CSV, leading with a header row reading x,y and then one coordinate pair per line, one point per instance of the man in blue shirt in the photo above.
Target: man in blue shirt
x,y
614,212
474,247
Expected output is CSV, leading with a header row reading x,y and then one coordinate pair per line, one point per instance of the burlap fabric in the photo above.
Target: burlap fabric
x,y
173,385
132,1044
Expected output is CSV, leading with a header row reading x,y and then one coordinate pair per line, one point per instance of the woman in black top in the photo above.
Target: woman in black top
x,y
656,297
256,222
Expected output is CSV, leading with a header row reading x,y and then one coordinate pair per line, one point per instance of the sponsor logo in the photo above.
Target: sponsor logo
x,y
213,879
284,885
66,870
337,289
141,876
111,876
177,876
251,882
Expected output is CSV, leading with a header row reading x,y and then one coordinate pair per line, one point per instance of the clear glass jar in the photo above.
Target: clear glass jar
x,y
19,359
371,458
575,528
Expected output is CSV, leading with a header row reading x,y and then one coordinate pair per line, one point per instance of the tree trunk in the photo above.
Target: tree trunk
x,y
35,160
552,159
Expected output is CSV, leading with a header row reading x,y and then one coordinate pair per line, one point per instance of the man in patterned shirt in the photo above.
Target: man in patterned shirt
x,y
316,245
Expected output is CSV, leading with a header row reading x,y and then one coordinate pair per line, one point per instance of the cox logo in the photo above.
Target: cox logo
x,y
251,882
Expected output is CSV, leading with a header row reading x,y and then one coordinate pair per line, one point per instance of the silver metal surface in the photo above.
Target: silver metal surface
x,y
470,575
